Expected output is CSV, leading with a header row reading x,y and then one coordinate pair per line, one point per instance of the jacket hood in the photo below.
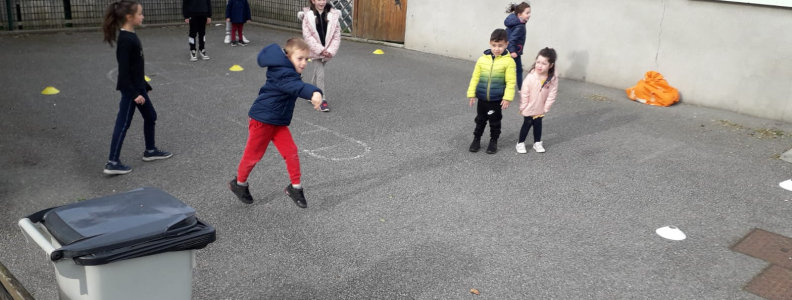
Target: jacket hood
x,y
512,20
273,56
489,52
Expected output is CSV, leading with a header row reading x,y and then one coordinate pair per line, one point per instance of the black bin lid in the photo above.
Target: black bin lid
x,y
140,222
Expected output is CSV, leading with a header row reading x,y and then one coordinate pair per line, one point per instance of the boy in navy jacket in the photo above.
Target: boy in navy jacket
x,y
271,115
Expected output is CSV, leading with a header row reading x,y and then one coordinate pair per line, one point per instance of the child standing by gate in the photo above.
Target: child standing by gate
x,y
238,13
322,31
120,21
197,13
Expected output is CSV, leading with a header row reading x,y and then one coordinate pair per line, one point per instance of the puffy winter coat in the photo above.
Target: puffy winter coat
x,y
494,78
536,97
516,30
311,35
275,102
238,11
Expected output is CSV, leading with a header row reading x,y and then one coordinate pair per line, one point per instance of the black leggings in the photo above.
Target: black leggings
x,y
536,123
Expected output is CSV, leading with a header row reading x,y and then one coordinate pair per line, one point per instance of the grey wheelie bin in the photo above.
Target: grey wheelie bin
x,y
138,244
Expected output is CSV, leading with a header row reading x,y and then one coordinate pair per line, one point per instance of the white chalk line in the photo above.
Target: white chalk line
x,y
366,148
312,152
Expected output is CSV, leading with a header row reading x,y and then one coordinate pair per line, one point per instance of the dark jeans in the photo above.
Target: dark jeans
x,y
526,126
483,115
126,110
518,61
197,26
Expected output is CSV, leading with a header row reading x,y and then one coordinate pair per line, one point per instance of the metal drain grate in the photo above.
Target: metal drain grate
x,y
767,246
774,283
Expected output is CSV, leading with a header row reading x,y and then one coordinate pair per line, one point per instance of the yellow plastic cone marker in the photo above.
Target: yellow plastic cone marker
x,y
309,59
236,68
50,91
379,51
147,78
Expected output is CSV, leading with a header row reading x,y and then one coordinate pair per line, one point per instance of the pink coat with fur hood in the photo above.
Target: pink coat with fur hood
x,y
311,35
536,100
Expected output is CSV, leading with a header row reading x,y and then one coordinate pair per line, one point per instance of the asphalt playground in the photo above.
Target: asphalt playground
x,y
398,208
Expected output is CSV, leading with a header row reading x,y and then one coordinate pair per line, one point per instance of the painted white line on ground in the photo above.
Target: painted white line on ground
x,y
366,148
312,131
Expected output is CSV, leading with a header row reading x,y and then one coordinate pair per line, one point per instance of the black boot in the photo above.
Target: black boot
x,y
493,146
476,144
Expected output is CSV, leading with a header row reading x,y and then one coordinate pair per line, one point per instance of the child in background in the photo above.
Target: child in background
x,y
120,21
493,85
238,13
536,97
227,39
322,31
515,27
271,115
197,13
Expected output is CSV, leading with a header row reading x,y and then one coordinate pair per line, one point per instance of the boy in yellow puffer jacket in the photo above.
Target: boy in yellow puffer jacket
x,y
493,85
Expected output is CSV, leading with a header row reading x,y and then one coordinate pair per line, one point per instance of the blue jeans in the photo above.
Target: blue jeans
x,y
126,110
518,61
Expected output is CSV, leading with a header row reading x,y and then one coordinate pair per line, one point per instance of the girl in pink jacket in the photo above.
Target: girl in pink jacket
x,y
322,31
537,96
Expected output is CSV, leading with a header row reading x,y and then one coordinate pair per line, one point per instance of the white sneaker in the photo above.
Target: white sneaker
x,y
538,147
227,39
203,55
192,55
787,185
244,39
521,148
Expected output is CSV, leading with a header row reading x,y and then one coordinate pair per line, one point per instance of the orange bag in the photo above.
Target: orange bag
x,y
653,90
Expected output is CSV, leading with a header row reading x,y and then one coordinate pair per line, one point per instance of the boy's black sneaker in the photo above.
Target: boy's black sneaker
x,y
297,196
116,169
193,55
493,146
241,191
234,43
242,43
475,145
156,154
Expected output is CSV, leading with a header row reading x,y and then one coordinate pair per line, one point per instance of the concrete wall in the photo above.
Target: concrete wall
x,y
731,56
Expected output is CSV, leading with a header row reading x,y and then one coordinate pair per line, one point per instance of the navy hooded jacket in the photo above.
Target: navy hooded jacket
x,y
275,102
238,11
516,31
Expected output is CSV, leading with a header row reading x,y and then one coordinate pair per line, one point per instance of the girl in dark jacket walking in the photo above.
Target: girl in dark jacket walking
x,y
515,28
238,13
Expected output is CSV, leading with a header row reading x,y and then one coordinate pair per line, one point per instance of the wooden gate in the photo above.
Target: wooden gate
x,y
382,20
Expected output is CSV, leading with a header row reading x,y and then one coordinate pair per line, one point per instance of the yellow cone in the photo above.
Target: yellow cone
x,y
236,68
309,59
379,51
50,91
147,78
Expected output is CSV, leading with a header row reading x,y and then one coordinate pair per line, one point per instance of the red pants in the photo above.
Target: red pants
x,y
259,137
236,28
